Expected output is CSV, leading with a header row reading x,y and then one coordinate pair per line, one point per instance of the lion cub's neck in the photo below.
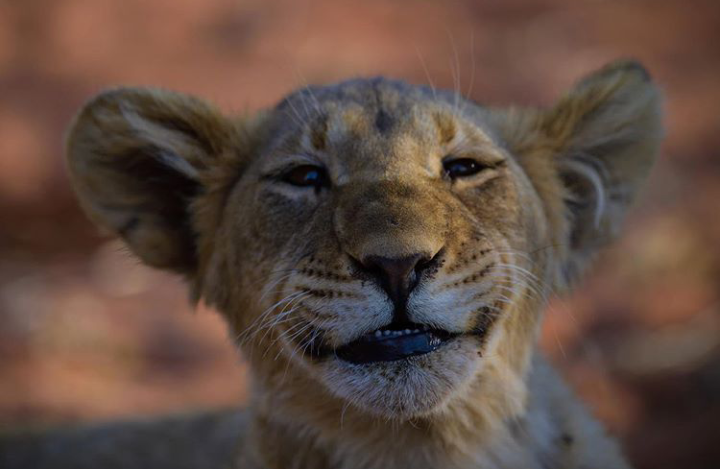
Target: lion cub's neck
x,y
491,427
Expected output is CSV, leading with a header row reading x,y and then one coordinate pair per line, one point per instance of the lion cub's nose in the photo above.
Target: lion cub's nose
x,y
397,276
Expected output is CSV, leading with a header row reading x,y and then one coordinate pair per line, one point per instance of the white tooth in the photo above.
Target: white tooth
x,y
387,333
407,331
378,333
415,331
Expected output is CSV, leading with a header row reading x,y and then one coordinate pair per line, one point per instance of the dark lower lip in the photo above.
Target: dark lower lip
x,y
372,348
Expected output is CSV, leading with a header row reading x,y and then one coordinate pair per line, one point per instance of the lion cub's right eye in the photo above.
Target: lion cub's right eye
x,y
307,176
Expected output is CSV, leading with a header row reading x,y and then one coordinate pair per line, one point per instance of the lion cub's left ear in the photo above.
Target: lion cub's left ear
x,y
588,155
136,158
606,132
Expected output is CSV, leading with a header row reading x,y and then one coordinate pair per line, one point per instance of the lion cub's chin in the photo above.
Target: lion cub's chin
x,y
406,388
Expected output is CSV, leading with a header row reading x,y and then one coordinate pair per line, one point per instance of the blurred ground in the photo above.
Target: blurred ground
x,y
87,333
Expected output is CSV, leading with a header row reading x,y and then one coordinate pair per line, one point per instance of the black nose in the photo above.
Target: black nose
x,y
397,276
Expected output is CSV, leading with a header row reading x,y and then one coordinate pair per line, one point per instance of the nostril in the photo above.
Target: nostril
x,y
426,262
397,276
391,267
422,264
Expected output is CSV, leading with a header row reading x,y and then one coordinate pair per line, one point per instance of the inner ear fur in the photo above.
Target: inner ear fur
x,y
588,155
137,160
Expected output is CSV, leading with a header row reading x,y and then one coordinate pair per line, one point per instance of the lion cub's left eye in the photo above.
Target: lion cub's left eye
x,y
461,167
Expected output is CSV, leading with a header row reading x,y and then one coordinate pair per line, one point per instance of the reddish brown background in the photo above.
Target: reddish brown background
x,y
87,333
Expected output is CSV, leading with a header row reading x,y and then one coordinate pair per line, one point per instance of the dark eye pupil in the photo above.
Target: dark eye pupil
x,y
311,177
461,167
307,175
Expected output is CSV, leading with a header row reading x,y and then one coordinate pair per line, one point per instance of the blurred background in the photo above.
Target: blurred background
x,y
87,333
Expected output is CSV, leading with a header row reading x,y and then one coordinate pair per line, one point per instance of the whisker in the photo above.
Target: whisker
x,y
271,287
472,65
295,348
455,70
282,313
284,336
427,72
297,118
513,276
251,329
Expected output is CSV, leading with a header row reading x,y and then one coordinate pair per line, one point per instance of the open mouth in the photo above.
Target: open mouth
x,y
394,342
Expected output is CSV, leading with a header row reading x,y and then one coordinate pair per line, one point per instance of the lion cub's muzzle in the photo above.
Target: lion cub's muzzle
x,y
402,338
393,234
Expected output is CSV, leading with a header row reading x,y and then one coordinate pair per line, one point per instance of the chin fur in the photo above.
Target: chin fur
x,y
407,388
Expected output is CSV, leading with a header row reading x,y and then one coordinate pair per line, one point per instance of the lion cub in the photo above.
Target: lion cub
x,y
382,253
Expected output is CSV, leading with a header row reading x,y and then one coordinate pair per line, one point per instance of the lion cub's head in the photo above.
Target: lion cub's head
x,y
389,243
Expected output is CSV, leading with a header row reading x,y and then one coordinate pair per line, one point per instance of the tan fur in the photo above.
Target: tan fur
x,y
196,193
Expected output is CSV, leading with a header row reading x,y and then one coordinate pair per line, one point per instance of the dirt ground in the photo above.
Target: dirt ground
x,y
87,333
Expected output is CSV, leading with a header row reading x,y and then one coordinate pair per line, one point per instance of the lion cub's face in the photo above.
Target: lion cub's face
x,y
392,243
400,232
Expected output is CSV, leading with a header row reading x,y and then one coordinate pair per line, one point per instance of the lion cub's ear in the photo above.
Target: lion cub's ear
x,y
606,132
588,155
135,158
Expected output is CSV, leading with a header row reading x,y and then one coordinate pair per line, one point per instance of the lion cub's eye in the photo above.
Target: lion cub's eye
x,y
307,176
461,167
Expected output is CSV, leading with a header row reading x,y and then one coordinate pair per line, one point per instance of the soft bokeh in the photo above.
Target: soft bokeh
x,y
87,333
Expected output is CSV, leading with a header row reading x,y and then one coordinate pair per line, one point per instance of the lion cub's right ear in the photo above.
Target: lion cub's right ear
x,y
136,159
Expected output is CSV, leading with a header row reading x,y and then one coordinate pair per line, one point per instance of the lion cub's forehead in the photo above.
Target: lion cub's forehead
x,y
379,120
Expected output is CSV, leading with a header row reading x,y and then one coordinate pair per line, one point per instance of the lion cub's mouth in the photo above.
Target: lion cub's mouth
x,y
394,342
